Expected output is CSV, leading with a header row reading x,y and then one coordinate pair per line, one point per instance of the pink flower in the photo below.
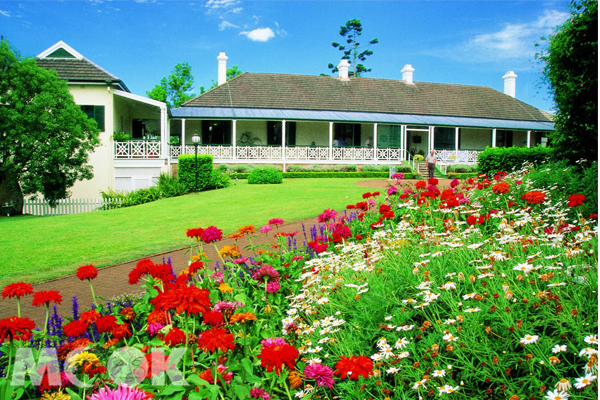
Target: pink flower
x,y
392,190
154,328
273,286
454,183
408,191
272,341
266,229
296,258
320,373
257,393
217,276
276,221
121,392
212,234
398,176
327,215
241,260
266,271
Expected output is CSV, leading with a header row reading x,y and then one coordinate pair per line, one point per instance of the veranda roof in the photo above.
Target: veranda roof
x,y
346,116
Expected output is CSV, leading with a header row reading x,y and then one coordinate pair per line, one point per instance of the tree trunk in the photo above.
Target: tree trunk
x,y
11,197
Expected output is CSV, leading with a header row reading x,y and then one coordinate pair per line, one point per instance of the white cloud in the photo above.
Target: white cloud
x,y
255,19
259,34
226,25
222,6
5,13
511,43
279,31
237,10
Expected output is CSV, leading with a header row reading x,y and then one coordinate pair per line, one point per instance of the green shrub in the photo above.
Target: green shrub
x,y
224,167
375,168
243,168
492,160
461,175
419,158
263,176
186,170
328,174
295,168
169,186
219,179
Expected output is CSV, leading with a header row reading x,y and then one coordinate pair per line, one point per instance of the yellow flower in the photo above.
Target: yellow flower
x,y
83,358
225,288
231,251
55,396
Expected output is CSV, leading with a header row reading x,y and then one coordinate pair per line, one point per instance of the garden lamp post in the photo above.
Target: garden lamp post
x,y
196,140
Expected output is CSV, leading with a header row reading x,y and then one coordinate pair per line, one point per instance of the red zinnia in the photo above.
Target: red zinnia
x,y
275,356
75,328
216,339
421,185
174,337
140,270
194,233
211,234
106,323
576,200
534,197
433,181
87,272
164,272
45,297
90,316
501,188
276,221
214,318
188,299
195,267
15,328
352,367
17,290
121,331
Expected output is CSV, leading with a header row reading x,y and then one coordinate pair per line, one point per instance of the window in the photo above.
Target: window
x,y
96,113
444,138
216,132
274,133
348,134
504,138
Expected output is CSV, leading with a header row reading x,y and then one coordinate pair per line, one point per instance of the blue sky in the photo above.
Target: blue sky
x,y
460,42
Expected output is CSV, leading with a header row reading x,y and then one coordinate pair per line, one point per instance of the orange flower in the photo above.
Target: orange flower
x,y
156,317
242,317
216,339
247,229
236,235
225,288
534,197
231,251
501,188
295,380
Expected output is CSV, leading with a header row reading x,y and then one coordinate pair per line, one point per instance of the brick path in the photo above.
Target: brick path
x,y
112,280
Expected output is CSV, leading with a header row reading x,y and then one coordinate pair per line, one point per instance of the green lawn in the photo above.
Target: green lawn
x,y
34,249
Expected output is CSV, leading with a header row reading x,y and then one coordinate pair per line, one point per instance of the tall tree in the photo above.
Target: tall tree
x,y
175,89
45,138
571,70
353,50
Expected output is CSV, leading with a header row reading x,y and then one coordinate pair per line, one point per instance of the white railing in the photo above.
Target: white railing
x,y
457,157
63,207
259,153
138,149
307,153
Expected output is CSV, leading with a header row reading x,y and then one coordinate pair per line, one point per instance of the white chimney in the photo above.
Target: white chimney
x,y
343,67
407,73
222,73
510,79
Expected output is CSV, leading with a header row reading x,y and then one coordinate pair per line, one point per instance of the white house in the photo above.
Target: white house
x,y
106,98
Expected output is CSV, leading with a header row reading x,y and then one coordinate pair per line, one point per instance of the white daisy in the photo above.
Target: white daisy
x,y
559,348
591,339
528,339
584,381
439,373
557,395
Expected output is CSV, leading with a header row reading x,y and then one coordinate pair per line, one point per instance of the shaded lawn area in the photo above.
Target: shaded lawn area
x,y
35,249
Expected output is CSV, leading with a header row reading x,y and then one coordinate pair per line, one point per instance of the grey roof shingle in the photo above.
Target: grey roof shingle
x,y
304,92
78,70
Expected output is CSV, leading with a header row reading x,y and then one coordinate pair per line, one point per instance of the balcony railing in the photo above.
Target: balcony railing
x,y
141,149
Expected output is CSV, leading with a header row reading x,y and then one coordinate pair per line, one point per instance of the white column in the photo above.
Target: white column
x,y
431,139
183,136
330,141
283,143
403,148
163,132
375,142
456,138
234,138
494,137
528,139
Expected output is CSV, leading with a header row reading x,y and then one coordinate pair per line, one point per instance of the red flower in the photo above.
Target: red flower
x,y
421,185
87,272
106,323
388,215
278,355
140,270
89,317
501,188
45,297
383,208
15,328
214,318
341,232
195,267
433,181
352,367
216,339
188,299
164,272
121,331
534,197
174,337
366,195
17,290
318,247
475,220
211,234
75,328
194,233
156,362
225,376
276,221
576,200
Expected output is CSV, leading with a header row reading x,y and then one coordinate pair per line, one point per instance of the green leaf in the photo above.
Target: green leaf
x,y
74,396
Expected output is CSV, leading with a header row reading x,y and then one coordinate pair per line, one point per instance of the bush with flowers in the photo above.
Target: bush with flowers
x,y
484,290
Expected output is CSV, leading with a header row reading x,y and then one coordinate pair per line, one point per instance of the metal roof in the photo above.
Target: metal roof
x,y
346,116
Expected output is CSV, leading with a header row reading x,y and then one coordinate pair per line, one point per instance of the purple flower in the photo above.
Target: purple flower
x,y
122,392
320,373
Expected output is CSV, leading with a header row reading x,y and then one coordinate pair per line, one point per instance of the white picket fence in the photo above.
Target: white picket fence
x,y
63,207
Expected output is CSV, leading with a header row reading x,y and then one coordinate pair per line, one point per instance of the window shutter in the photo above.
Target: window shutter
x,y
357,135
99,117
290,134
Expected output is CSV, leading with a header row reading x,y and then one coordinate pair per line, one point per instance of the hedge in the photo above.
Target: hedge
x,y
186,170
492,160
462,175
292,175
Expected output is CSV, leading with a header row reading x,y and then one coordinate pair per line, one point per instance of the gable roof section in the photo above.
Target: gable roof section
x,y
324,93
73,67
